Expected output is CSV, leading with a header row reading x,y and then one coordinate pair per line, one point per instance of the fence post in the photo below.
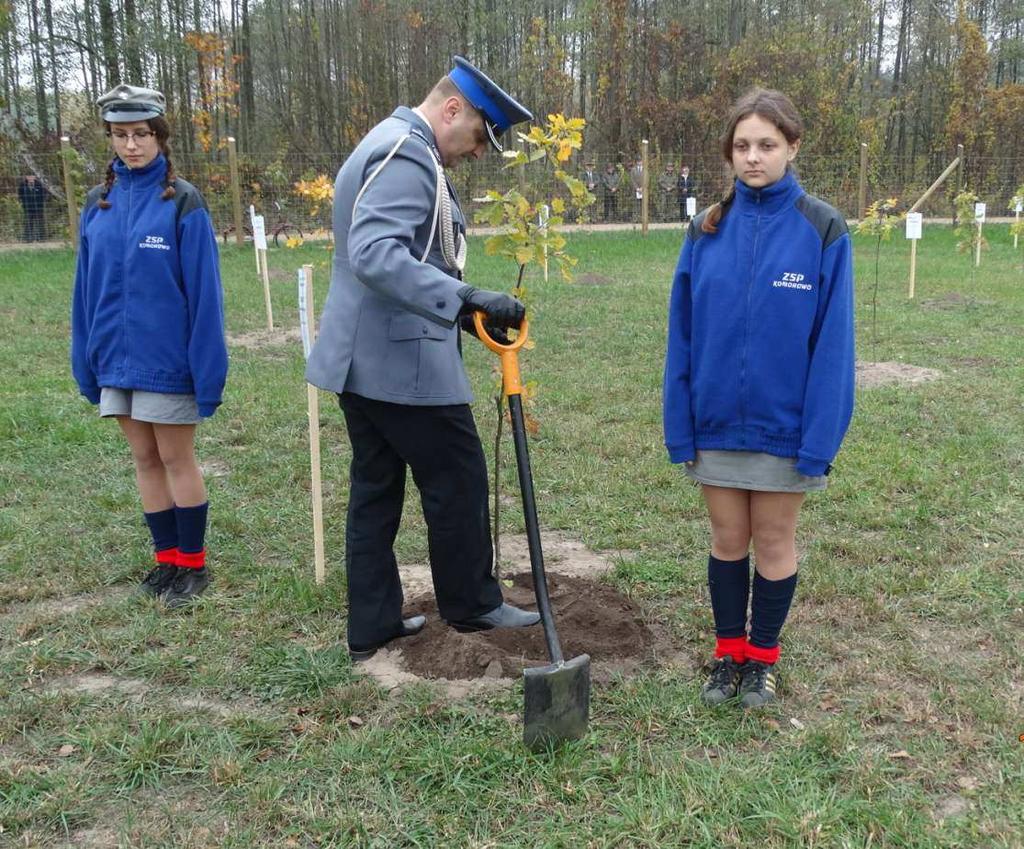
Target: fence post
x,y
645,197
69,191
862,194
236,191
522,171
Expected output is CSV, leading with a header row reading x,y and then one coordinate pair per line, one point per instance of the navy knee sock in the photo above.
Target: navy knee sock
x,y
163,527
729,584
191,535
768,610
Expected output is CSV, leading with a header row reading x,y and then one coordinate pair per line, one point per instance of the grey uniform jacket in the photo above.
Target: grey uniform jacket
x,y
389,328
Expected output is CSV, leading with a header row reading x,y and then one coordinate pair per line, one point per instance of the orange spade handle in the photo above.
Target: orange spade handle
x,y
511,382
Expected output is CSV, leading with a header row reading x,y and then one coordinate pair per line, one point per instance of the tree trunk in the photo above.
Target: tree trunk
x,y
108,39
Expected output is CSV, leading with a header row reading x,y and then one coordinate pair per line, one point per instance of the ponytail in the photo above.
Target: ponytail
x,y
108,184
715,213
169,190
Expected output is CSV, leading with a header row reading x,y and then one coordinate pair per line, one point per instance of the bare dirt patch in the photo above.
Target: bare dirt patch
x,y
33,614
255,340
98,682
953,300
874,375
214,468
591,279
592,617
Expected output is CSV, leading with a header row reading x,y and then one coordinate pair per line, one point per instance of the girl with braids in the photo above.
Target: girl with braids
x,y
147,322
759,380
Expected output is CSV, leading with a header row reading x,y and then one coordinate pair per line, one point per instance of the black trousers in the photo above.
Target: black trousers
x,y
611,206
441,446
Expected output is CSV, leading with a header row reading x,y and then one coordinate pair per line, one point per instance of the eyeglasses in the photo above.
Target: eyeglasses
x,y
140,136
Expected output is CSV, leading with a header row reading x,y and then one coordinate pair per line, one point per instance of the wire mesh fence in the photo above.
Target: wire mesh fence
x,y
269,183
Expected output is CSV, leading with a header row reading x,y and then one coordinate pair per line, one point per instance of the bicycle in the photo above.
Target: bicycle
x,y
281,230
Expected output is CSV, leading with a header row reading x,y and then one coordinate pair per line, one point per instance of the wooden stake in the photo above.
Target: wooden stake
x,y
913,266
644,183
941,179
255,246
862,192
69,192
545,213
977,248
266,289
236,191
313,412
1015,229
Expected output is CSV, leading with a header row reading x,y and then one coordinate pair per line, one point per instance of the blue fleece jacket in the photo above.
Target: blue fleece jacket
x,y
148,309
760,337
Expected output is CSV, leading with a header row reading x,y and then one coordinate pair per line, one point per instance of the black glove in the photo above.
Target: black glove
x,y
502,310
496,333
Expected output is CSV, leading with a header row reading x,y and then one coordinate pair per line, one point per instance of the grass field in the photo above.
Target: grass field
x,y
240,723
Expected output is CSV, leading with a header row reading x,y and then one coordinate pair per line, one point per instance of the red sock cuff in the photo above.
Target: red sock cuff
x,y
169,556
736,647
192,559
764,655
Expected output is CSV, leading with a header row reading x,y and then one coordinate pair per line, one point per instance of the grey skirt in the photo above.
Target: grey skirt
x,y
751,470
154,407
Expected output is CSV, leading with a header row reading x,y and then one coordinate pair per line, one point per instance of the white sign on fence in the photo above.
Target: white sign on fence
x,y
914,220
979,213
303,320
259,233
691,207
1019,207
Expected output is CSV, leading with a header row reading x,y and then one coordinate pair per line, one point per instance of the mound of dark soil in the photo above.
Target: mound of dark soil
x,y
592,618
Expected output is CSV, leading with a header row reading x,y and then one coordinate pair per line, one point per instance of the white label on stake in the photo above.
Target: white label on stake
x,y
543,216
691,207
979,213
303,321
914,220
259,233
1019,208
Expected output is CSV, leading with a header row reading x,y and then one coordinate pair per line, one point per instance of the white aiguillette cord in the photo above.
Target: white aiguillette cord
x,y
454,258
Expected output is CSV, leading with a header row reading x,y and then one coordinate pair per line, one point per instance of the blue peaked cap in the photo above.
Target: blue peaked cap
x,y
499,109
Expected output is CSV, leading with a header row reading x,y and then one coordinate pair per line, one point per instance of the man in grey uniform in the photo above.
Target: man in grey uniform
x,y
389,347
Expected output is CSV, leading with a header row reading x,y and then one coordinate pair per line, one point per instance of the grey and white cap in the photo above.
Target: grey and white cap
x,y
127,103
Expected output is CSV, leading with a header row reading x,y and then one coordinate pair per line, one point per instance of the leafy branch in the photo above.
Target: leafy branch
x,y
530,233
879,221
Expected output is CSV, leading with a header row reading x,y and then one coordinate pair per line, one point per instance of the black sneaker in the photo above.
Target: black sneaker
x,y
722,683
159,579
187,584
757,684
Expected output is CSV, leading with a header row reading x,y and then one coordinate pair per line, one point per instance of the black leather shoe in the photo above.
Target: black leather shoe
x,y
409,628
160,577
503,616
187,585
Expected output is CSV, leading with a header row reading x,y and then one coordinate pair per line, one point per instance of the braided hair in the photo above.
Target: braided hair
x,y
774,107
162,130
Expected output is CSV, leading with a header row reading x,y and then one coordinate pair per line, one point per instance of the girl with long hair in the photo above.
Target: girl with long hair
x,y
759,381
148,329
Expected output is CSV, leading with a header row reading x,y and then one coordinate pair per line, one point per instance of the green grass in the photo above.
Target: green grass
x,y
902,696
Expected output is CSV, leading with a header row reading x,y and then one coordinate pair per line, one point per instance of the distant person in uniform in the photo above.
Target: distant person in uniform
x,y
666,191
611,182
147,322
686,187
590,177
636,176
389,347
759,381
33,196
